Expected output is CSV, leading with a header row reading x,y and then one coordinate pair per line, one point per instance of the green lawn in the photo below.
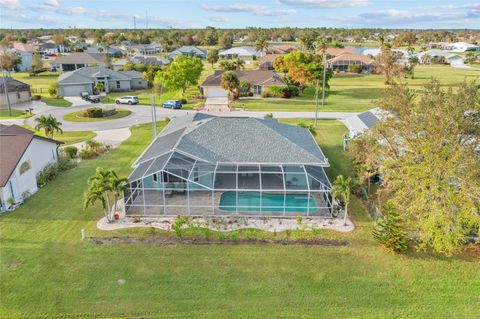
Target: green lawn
x,y
16,114
77,116
68,137
356,93
47,271
56,102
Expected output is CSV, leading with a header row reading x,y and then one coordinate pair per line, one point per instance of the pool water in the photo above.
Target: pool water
x,y
250,201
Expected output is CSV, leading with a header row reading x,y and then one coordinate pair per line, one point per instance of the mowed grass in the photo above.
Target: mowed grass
x,y
16,114
78,116
39,85
357,93
67,137
47,271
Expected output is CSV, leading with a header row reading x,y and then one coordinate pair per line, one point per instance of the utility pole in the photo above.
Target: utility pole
x,y
5,90
154,116
134,23
316,103
324,76
146,19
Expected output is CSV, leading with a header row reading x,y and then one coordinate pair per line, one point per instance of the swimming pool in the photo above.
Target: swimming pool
x,y
250,201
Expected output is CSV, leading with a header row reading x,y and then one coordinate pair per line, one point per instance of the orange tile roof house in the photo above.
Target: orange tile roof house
x,y
266,61
260,80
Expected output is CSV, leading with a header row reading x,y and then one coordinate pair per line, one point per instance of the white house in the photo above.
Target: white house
x,y
245,53
23,156
25,53
439,56
462,47
18,92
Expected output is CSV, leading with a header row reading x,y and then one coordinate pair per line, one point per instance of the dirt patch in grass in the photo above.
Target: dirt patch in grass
x,y
213,241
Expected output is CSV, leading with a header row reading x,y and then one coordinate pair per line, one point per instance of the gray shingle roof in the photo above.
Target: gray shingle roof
x,y
87,75
236,140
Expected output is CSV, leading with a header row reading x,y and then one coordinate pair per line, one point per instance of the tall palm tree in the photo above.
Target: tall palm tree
x,y
49,124
231,83
341,190
105,186
261,44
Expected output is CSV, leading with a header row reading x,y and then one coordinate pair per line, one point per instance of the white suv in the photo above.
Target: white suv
x,y
127,100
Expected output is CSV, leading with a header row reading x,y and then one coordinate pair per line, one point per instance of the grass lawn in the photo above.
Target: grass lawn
x,y
77,116
47,271
356,93
16,114
56,102
68,137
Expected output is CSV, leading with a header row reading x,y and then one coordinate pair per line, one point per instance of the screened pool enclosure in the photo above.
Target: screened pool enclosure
x,y
198,166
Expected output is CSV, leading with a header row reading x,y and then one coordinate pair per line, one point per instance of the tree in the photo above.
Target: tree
x,y
105,186
363,151
387,63
53,89
226,40
212,56
261,44
341,190
230,83
429,161
99,87
48,124
8,60
37,63
107,60
232,65
389,231
183,72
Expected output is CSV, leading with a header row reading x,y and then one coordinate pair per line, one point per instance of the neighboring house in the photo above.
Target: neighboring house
x,y
23,156
26,47
51,49
281,49
113,51
260,80
149,60
358,123
18,92
84,80
245,53
202,165
266,61
342,62
333,52
118,64
188,50
132,48
460,47
76,60
439,56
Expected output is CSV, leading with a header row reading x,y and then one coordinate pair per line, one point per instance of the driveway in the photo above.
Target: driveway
x,y
216,104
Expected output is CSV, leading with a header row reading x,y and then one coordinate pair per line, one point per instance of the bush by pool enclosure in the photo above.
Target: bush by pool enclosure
x,y
203,165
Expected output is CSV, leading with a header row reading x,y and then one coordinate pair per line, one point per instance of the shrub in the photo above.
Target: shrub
x,y
70,151
177,226
388,231
87,153
184,101
294,91
93,112
51,171
355,68
269,116
36,97
53,89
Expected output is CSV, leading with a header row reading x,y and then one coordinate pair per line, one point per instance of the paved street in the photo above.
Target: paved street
x,y
143,114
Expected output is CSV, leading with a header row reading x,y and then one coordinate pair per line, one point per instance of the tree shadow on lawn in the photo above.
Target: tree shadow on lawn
x,y
370,93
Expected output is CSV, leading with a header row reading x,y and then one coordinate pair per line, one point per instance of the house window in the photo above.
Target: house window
x,y
139,82
155,178
25,166
118,84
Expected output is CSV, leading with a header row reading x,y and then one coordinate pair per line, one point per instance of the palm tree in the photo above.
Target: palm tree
x,y
49,124
341,190
261,44
230,83
99,86
105,186
212,56
239,64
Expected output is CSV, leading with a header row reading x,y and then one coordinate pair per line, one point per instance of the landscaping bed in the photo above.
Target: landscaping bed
x,y
215,241
86,116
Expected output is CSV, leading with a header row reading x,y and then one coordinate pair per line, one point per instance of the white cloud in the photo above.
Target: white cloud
x,y
406,17
255,9
325,4
218,18
455,6
10,4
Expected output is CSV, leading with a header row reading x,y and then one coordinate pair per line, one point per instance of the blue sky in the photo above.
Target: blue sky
x,y
422,14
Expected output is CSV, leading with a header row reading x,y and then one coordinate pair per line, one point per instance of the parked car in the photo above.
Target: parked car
x,y
93,98
172,104
84,95
127,100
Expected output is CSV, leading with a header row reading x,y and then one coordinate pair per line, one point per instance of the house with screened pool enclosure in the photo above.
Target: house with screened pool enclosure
x,y
204,165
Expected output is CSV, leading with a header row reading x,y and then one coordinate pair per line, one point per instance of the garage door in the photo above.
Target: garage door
x,y
216,92
72,90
